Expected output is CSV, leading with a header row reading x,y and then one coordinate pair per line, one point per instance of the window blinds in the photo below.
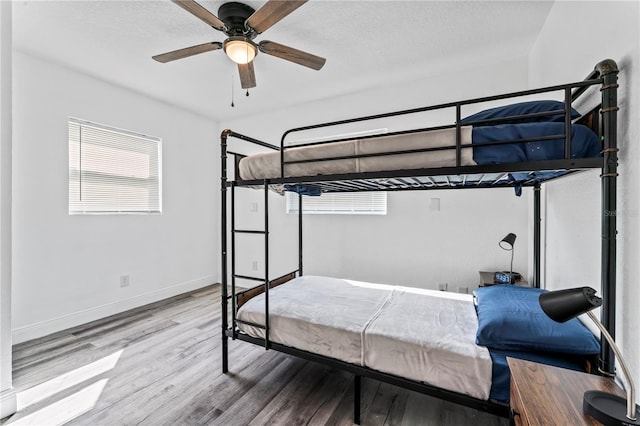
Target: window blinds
x,y
112,170
340,203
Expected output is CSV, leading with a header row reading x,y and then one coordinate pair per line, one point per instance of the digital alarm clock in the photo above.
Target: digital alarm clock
x,y
504,277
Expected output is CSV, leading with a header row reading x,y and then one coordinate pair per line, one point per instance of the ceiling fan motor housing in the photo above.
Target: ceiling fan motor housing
x,y
234,15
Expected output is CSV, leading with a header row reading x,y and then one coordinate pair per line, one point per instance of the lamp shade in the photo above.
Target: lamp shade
x,y
607,408
239,50
562,305
508,241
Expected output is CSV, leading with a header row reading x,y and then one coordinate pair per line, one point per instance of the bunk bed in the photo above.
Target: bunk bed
x,y
521,144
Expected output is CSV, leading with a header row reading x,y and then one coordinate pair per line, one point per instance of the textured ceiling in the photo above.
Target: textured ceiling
x,y
367,44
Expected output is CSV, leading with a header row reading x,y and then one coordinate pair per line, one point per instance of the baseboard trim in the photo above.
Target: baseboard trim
x,y
53,325
8,402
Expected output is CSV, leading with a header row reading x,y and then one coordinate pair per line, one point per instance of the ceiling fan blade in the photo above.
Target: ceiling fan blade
x,y
272,12
200,12
247,75
187,51
291,54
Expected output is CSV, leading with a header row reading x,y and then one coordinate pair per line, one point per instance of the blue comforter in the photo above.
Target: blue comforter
x,y
584,143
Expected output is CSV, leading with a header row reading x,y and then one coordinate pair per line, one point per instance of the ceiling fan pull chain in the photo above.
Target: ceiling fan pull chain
x,y
232,104
247,92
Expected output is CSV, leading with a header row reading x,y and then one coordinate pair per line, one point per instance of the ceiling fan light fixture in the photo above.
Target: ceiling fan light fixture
x,y
240,50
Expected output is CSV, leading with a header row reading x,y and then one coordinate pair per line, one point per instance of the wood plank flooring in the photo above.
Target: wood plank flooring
x,y
161,365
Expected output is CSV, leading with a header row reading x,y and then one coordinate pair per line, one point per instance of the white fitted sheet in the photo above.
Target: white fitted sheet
x,y
418,334
429,336
326,316
267,165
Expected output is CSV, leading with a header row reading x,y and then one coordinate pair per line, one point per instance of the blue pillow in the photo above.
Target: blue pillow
x,y
510,318
521,108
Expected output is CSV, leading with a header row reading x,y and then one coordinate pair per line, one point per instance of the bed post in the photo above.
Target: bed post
x,y
299,234
357,387
223,245
536,235
266,264
608,70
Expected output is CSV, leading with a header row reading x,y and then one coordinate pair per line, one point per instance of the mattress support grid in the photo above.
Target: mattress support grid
x,y
565,166
370,185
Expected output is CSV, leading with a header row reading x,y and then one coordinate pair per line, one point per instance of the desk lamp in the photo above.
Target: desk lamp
x,y
609,409
506,244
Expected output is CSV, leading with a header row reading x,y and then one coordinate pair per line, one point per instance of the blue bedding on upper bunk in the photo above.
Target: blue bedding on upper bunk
x,y
584,143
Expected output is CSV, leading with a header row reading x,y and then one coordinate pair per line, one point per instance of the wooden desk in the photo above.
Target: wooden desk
x,y
486,279
544,395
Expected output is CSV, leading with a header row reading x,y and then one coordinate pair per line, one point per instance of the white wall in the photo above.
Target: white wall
x,y
7,394
67,268
410,245
598,30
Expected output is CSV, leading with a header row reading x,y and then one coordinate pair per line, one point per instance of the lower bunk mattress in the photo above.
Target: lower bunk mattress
x,y
422,335
452,341
544,142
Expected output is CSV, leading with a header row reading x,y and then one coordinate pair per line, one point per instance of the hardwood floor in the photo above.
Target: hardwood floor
x,y
160,365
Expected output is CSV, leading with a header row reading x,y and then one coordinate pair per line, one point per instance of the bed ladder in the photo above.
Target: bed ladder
x,y
264,279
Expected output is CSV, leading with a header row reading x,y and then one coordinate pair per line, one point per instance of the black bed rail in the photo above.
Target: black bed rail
x,y
492,407
585,83
230,133
571,92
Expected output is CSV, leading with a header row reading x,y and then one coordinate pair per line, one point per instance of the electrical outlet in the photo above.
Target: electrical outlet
x,y
124,280
253,208
463,289
254,265
443,286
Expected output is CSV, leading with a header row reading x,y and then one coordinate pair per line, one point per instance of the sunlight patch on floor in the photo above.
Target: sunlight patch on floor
x,y
65,381
66,409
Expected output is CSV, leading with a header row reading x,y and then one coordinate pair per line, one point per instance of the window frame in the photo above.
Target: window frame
x,y
75,173
378,207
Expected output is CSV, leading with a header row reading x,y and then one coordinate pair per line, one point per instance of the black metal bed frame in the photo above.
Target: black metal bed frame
x,y
604,74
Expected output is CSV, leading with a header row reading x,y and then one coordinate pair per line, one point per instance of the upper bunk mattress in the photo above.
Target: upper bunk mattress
x,y
421,335
584,144
267,165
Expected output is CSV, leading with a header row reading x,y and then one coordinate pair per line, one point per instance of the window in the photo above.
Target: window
x,y
340,203
112,170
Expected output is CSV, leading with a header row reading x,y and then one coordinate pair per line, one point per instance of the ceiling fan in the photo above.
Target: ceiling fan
x,y
241,24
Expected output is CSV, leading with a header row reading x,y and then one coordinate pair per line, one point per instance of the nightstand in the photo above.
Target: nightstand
x,y
545,395
486,279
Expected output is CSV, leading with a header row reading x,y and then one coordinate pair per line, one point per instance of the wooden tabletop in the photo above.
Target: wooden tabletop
x,y
553,396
